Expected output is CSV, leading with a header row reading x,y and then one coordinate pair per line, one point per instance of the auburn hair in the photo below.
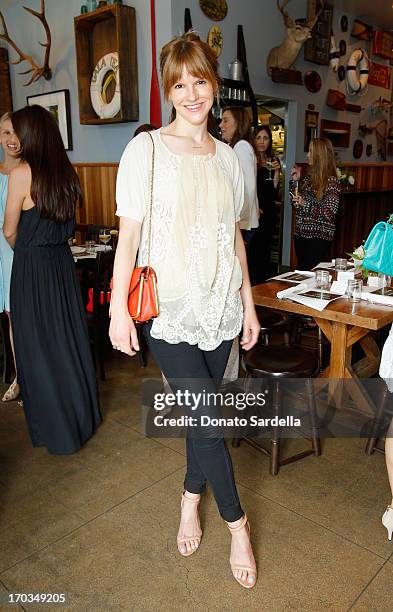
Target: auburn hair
x,y
55,187
188,51
243,125
323,164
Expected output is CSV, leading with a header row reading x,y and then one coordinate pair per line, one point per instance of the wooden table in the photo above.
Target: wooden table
x,y
343,324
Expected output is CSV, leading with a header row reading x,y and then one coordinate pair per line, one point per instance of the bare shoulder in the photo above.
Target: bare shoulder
x,y
21,173
20,178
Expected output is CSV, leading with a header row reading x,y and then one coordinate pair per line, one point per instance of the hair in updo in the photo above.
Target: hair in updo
x,y
190,51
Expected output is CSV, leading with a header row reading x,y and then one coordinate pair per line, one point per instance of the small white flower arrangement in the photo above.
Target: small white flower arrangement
x,y
346,178
358,255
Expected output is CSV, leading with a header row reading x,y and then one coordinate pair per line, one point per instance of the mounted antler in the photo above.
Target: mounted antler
x,y
288,20
311,23
285,55
38,71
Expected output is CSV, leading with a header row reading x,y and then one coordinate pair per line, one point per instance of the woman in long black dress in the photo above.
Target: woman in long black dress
x,y
267,193
53,356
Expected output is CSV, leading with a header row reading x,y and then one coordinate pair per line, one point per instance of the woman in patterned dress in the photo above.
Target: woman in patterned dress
x,y
316,204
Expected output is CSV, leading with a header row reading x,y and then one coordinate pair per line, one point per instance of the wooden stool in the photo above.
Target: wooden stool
x,y
298,323
272,320
276,363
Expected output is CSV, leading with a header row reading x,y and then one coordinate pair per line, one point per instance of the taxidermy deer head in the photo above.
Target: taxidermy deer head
x,y
285,55
38,71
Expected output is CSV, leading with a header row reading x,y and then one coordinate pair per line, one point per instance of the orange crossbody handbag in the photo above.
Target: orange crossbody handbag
x,y
142,292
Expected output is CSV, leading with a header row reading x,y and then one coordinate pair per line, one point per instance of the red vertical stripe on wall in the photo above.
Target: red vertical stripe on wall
x,y
155,99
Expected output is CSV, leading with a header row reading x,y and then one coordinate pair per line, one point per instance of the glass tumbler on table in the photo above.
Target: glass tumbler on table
x,y
322,280
354,290
104,237
340,264
90,247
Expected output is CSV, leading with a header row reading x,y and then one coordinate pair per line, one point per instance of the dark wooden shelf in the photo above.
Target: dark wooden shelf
x,y
250,103
87,21
236,102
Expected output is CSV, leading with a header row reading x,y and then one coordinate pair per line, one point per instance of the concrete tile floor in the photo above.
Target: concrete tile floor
x,y
101,525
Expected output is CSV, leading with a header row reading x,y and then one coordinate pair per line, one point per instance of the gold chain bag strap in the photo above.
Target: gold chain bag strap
x,y
142,292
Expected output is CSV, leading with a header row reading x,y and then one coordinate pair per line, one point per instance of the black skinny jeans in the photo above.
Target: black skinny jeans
x,y
186,367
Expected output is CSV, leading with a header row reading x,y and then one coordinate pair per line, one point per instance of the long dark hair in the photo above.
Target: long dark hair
x,y
243,125
55,187
269,150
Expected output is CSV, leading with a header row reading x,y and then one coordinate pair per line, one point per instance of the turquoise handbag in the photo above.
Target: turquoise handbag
x,y
379,249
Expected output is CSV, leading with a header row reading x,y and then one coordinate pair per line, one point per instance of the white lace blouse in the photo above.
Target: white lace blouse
x,y
196,201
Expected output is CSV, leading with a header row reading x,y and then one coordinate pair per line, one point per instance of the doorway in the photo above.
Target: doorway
x,y
274,113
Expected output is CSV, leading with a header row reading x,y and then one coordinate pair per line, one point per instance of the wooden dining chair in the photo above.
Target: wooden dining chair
x,y
98,318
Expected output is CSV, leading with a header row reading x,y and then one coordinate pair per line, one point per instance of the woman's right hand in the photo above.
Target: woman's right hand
x,y
122,333
296,173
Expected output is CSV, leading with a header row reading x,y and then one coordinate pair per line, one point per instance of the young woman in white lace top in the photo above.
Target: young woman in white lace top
x,y
203,285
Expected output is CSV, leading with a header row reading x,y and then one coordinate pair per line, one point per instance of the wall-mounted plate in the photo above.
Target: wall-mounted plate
x,y
214,9
215,39
312,81
357,149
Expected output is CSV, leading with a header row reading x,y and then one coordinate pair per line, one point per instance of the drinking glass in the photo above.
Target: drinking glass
x,y
354,290
322,279
104,237
385,279
90,246
295,187
340,264
269,162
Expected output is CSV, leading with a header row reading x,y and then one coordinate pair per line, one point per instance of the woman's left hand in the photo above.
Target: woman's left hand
x,y
299,200
276,166
251,329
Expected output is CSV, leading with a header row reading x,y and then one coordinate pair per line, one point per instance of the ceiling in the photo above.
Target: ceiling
x,y
375,12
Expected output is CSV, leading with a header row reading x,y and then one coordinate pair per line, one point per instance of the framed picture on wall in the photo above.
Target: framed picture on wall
x,y
57,103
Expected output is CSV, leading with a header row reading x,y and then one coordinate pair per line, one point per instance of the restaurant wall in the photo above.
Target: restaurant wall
x,y
263,29
92,143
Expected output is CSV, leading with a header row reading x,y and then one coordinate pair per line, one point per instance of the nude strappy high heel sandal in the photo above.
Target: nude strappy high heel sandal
x,y
250,569
12,392
196,537
387,521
